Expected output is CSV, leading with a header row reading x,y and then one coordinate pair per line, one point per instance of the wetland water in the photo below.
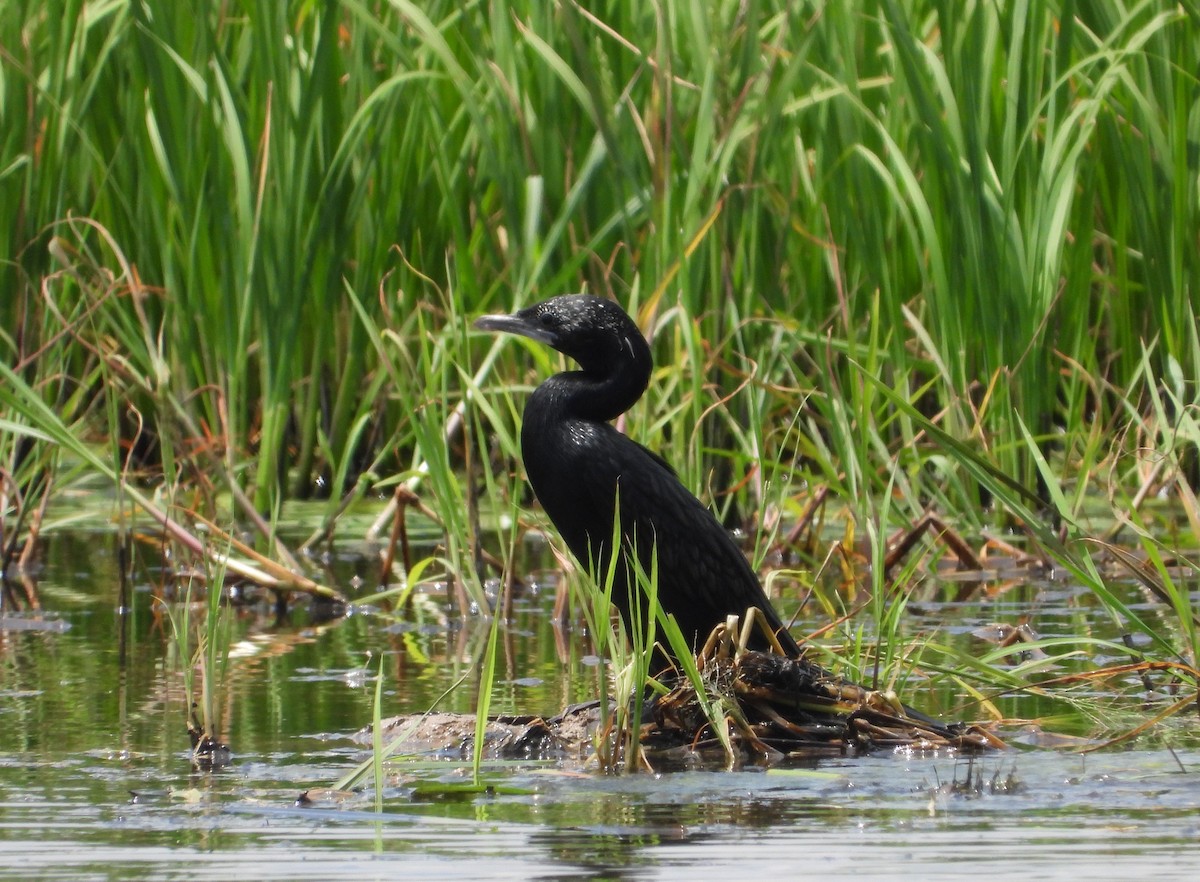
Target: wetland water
x,y
91,711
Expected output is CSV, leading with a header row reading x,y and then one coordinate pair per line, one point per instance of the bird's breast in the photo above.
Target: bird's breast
x,y
567,453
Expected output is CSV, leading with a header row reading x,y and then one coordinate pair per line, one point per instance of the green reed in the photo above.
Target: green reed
x,y
990,189
203,654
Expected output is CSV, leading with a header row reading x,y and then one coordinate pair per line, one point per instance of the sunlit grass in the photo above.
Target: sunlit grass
x,y
202,649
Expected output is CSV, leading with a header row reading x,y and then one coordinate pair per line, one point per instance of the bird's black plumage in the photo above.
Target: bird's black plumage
x,y
581,467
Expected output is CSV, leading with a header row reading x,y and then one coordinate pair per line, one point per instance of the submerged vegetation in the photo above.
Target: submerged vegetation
x,y
912,271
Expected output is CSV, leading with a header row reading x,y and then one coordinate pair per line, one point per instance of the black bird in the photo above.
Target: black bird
x,y
580,466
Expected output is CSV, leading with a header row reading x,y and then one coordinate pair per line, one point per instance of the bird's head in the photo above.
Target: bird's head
x,y
593,331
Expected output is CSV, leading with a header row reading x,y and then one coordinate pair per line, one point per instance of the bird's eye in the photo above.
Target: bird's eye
x,y
545,320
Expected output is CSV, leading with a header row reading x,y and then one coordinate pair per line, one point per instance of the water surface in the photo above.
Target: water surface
x,y
96,783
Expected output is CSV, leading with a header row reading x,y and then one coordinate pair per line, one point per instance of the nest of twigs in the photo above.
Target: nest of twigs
x,y
765,706
774,707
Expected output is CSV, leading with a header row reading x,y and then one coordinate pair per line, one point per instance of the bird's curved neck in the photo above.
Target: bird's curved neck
x,y
598,395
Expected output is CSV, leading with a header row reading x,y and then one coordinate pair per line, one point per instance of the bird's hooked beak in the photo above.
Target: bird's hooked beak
x,y
515,324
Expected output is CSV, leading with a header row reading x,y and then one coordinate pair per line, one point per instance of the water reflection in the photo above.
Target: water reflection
x,y
91,708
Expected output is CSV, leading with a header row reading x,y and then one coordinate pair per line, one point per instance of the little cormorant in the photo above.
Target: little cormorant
x,y
579,466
